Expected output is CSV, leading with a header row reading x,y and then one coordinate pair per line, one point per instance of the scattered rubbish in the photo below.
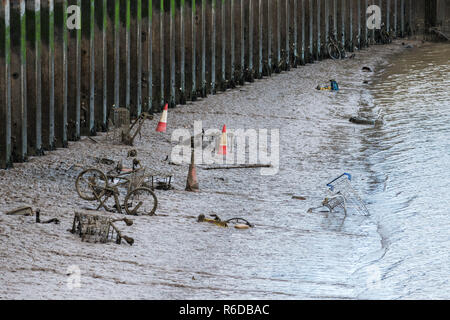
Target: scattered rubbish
x,y
248,166
38,218
363,121
367,69
105,161
332,87
299,198
239,223
97,228
132,153
162,125
159,180
22,211
242,226
367,121
28,211
128,135
93,185
343,195
216,221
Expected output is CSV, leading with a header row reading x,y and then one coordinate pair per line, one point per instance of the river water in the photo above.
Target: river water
x,y
408,161
400,168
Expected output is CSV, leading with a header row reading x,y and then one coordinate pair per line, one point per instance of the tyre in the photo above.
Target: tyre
x,y
141,201
91,184
333,51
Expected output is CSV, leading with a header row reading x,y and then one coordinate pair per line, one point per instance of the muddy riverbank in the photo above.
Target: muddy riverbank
x,y
289,254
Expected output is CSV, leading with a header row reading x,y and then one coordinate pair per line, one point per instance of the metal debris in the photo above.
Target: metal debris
x,y
239,223
97,228
22,211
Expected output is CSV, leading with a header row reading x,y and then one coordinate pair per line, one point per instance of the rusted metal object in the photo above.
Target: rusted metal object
x,y
239,223
129,135
97,228
93,185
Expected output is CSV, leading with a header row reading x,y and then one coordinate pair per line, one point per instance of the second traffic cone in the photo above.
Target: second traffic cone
x,y
192,183
162,125
223,141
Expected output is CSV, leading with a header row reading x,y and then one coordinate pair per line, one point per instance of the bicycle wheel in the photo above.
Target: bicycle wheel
x,y
141,201
342,51
333,51
91,183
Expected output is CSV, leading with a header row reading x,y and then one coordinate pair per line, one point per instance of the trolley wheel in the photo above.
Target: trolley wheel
x,y
91,184
333,51
141,200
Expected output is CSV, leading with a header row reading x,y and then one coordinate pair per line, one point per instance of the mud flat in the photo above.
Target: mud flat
x,y
289,254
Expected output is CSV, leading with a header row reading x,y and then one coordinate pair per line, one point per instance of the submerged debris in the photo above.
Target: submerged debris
x,y
343,195
363,121
38,218
239,223
299,198
22,211
97,228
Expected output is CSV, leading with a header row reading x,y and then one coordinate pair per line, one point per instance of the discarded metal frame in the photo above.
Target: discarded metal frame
x,y
98,228
239,223
93,185
129,135
343,195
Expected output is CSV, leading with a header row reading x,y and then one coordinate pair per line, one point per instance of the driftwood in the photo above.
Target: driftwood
x,y
249,166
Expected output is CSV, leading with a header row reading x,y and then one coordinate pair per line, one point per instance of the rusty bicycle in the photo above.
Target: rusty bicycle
x,y
94,185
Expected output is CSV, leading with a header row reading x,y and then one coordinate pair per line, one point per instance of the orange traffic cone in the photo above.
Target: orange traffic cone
x,y
192,183
162,125
223,142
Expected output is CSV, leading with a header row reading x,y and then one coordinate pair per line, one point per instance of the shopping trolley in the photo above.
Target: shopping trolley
x,y
343,194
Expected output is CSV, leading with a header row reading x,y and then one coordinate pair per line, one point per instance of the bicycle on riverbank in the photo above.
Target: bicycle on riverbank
x,y
335,49
93,185
383,36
